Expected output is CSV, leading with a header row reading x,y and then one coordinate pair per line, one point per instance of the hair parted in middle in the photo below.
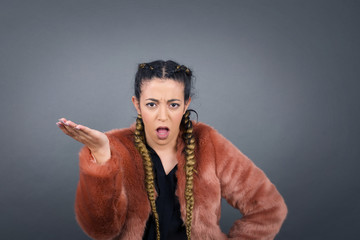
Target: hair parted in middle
x,y
167,70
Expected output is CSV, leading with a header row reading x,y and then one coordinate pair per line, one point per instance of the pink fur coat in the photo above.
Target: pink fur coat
x,y
111,200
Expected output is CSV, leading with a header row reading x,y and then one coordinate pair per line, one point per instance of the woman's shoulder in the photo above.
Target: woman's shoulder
x,y
200,127
204,132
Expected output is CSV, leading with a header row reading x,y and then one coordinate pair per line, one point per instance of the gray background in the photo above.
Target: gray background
x,y
277,78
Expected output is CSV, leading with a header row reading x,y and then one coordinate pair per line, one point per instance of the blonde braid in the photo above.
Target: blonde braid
x,y
189,169
148,168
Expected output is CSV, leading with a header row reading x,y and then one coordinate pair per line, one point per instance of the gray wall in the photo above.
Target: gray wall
x,y
280,79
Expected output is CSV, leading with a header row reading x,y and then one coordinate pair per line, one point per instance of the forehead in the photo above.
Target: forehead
x,y
161,88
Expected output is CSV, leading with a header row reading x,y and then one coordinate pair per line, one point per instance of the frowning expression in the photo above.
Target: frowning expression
x,y
161,106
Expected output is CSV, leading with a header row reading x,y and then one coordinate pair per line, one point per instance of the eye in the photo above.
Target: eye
x,y
151,105
174,105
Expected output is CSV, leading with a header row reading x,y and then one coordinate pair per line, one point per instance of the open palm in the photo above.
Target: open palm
x,y
96,141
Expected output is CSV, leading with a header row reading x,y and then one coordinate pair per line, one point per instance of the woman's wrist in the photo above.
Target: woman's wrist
x,y
101,155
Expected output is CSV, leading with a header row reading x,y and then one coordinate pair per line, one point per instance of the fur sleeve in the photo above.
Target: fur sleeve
x,y
100,204
247,188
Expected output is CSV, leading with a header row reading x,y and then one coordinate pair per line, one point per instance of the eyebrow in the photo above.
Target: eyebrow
x,y
155,100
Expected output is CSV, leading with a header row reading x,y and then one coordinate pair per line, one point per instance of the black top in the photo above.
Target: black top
x,y
167,204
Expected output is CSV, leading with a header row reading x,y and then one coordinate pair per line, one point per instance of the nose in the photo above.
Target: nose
x,y
162,116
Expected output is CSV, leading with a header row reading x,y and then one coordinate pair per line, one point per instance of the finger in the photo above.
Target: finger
x,y
68,127
78,132
82,132
64,129
60,125
84,129
70,124
71,128
86,134
72,132
63,120
67,123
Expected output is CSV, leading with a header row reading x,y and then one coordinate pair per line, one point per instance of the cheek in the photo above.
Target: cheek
x,y
178,118
147,120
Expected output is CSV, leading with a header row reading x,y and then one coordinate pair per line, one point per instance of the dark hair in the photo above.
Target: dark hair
x,y
163,69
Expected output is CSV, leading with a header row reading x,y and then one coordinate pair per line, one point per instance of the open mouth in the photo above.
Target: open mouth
x,y
162,132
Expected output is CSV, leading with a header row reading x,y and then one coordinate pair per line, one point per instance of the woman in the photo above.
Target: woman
x,y
164,177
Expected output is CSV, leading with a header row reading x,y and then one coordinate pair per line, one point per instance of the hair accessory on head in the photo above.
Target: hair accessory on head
x,y
182,68
146,66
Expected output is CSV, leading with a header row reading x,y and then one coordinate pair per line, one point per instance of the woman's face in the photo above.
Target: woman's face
x,y
161,106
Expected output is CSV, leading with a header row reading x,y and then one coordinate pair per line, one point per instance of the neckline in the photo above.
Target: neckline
x,y
157,161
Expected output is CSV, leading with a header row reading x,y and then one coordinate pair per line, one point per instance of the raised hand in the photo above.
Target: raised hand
x,y
96,141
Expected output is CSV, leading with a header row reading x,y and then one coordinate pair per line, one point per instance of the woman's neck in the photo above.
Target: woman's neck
x,y
169,148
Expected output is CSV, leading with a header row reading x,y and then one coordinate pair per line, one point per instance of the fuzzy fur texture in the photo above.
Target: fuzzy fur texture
x,y
111,200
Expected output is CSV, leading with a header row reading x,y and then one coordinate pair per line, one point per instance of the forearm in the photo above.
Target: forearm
x,y
261,205
100,204
247,188
263,211
100,208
